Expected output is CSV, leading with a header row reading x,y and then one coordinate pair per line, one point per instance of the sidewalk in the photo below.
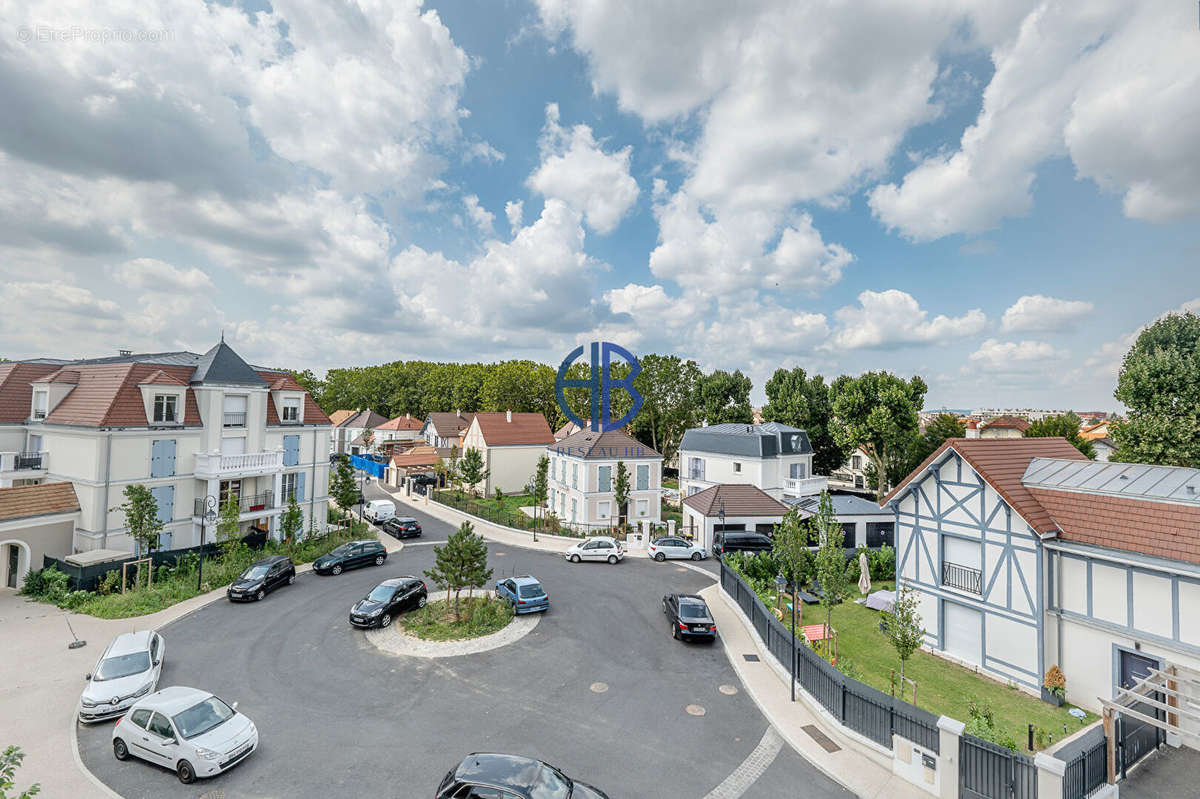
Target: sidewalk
x,y
495,532
855,766
40,681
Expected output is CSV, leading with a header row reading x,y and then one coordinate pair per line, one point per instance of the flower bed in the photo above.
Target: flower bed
x,y
478,616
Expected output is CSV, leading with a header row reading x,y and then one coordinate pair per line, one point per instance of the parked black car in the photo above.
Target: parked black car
x,y
387,599
512,775
739,541
261,578
690,617
351,555
402,527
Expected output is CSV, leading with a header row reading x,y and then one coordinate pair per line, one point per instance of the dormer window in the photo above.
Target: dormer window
x,y
166,408
291,411
41,400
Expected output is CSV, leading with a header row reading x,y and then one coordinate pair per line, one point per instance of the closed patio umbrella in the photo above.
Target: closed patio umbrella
x,y
864,575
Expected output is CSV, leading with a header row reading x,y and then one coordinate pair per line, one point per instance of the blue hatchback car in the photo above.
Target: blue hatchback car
x,y
525,594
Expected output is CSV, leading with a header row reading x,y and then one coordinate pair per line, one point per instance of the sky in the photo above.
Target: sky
x,y
997,198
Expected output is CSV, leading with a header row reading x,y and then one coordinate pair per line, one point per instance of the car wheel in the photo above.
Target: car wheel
x,y
120,750
386,620
379,560
292,579
187,775
421,602
575,558
660,557
337,569
695,556
260,596
674,630
612,558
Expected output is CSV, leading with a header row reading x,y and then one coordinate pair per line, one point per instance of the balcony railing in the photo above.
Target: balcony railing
x,y
24,461
236,419
246,504
964,578
214,464
804,486
39,413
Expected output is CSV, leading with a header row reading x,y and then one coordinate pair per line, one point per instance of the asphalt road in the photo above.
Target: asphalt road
x,y
338,718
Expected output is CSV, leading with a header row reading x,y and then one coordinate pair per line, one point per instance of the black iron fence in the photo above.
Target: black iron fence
x,y
548,523
964,578
28,460
247,503
1087,764
857,706
991,771
85,578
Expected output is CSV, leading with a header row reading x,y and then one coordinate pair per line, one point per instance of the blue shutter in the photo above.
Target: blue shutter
x,y
300,486
168,456
164,497
643,477
156,459
291,450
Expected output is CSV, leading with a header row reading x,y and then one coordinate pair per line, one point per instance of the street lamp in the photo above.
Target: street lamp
x,y
721,513
206,518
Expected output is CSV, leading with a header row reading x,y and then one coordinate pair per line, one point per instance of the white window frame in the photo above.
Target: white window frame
x,y
168,400
284,488
737,467
41,404
291,404
643,507
604,509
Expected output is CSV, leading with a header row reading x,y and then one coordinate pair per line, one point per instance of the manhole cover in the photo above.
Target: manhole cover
x,y
728,690
695,710
599,687
680,569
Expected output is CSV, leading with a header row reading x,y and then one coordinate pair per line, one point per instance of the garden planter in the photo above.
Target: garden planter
x,y
1053,699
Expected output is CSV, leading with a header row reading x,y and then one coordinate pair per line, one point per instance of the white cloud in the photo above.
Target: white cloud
x,y
514,210
1007,356
893,318
1035,312
480,217
153,274
576,169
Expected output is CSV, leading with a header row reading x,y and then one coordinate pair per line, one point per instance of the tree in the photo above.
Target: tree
x,y
310,383
342,487
795,399
453,473
1159,383
668,388
723,397
457,564
471,469
541,485
878,411
477,571
291,521
903,627
792,538
10,761
621,490
141,517
830,566
368,439
1066,425
229,525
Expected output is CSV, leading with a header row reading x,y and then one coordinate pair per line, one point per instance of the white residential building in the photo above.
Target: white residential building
x,y
583,475
853,473
349,435
186,426
511,445
444,430
772,456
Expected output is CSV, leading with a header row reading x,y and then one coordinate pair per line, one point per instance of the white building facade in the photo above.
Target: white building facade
x,y
583,473
773,457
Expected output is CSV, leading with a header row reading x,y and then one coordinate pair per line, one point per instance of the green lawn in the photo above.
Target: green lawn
x,y
942,687
670,482
478,616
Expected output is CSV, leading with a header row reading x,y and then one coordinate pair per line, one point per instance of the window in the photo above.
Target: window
x,y
604,510
235,410
230,489
856,462
166,408
796,471
696,468
291,411
737,467
160,726
605,474
141,718
643,507
574,476
40,404
288,485
35,443
643,476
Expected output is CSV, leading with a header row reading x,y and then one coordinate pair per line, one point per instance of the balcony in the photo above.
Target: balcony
x,y
964,578
24,461
246,504
214,464
804,486
236,419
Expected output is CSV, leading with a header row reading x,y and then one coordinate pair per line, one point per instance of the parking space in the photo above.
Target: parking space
x,y
339,718
1166,773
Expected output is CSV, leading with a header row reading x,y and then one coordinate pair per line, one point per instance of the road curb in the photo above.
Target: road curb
x,y
92,778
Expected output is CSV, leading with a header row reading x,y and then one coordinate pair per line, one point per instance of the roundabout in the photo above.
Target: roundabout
x,y
597,687
396,640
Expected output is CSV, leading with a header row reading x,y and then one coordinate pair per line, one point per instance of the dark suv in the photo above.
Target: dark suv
x,y
511,777
739,541
261,578
402,527
351,555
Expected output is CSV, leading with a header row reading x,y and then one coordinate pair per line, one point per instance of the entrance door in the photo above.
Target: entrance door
x,y
1138,738
964,634
14,558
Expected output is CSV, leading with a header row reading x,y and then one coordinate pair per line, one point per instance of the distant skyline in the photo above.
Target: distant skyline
x,y
996,199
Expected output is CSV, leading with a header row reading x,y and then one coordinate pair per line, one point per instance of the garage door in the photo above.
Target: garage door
x,y
964,637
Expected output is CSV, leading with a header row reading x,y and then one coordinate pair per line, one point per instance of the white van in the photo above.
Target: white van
x,y
379,510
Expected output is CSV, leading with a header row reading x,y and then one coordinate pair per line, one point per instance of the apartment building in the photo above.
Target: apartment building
x,y
189,427
583,474
774,457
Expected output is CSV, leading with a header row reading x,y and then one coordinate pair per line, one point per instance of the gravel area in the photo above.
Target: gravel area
x,y
395,640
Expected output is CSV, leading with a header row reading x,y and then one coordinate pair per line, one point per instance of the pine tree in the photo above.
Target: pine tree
x,y
459,564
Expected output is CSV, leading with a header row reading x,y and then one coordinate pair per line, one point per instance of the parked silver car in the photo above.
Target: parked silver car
x,y
128,669
670,547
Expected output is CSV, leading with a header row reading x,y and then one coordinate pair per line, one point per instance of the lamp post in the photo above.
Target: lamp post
x,y
206,518
720,514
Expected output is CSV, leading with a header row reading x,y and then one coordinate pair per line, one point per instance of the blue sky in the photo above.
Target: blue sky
x,y
997,200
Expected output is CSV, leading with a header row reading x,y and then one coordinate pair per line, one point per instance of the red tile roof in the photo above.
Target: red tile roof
x,y
1002,462
1012,422
525,428
406,422
16,393
161,378
285,382
61,376
739,500
1163,529
46,499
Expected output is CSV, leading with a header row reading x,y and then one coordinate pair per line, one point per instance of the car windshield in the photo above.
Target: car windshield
x,y
120,666
550,785
199,719
341,551
256,572
688,610
382,593
530,591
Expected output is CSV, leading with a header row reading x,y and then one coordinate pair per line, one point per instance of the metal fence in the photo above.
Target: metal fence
x,y
991,771
1087,764
857,706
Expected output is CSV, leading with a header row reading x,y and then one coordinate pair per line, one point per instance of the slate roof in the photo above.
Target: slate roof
x,y
365,419
46,499
16,393
221,366
603,446
747,440
524,429
448,424
843,505
739,500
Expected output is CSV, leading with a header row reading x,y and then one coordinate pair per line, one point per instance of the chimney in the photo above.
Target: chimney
x,y
509,415
125,353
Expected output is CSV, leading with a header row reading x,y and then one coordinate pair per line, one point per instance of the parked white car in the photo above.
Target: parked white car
x,y
189,731
128,669
599,547
675,548
379,510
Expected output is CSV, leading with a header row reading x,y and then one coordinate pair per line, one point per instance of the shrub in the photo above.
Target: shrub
x,y
1055,682
982,724
109,583
50,584
850,669
881,563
